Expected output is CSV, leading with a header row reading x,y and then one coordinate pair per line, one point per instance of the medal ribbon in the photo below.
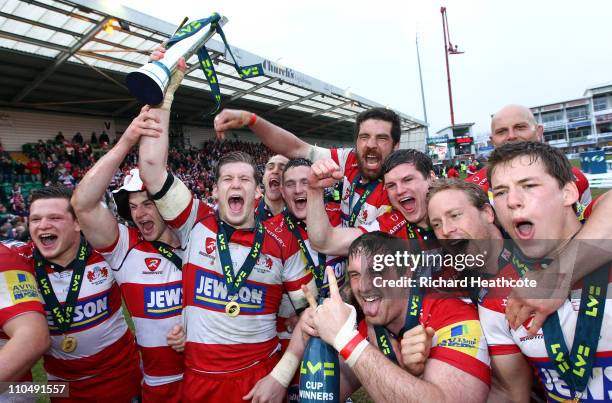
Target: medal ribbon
x,y
262,212
575,368
62,315
415,303
206,63
166,251
368,189
318,271
234,282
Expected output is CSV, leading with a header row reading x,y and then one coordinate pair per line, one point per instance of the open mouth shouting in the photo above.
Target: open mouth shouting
x,y
408,203
274,184
47,240
236,204
523,228
300,202
146,227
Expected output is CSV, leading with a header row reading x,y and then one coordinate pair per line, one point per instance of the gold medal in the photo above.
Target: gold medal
x,y
232,309
69,344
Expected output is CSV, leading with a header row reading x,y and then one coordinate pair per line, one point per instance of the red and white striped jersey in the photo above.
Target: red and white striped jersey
x,y
503,340
104,341
376,204
458,341
215,341
18,292
152,290
338,263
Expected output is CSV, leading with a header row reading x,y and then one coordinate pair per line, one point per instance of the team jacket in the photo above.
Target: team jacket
x,y
151,286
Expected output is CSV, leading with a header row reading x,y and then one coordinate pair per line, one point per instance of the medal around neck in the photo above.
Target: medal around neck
x,y
232,309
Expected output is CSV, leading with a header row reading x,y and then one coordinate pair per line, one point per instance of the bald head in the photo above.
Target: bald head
x,y
514,123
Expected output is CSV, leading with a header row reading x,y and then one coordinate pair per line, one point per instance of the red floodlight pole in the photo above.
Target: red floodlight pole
x,y
453,50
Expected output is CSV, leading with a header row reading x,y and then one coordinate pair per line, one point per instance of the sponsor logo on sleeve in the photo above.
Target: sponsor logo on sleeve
x,y
21,286
463,337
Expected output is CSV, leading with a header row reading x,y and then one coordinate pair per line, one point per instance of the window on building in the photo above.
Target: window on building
x,y
556,135
578,112
600,103
552,116
579,132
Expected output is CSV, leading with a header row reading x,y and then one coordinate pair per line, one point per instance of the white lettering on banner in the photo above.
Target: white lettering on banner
x,y
165,298
216,289
90,309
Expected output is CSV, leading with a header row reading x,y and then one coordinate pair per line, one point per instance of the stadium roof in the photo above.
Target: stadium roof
x,y
72,56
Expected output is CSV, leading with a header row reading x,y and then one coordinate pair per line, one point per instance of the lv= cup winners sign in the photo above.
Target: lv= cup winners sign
x,y
149,83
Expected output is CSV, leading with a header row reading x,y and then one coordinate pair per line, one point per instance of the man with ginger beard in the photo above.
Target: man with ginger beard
x,y
377,134
272,201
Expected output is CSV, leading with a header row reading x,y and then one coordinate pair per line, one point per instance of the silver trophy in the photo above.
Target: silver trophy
x,y
149,83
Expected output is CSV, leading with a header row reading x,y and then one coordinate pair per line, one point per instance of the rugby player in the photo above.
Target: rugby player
x,y
145,259
230,301
407,176
464,222
91,345
24,335
514,123
272,202
294,190
458,365
535,195
377,134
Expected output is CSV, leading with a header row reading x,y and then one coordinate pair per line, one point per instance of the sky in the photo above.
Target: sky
x,y
528,52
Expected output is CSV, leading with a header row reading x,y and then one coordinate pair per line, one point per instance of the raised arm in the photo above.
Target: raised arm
x,y
96,221
322,236
153,152
277,139
28,339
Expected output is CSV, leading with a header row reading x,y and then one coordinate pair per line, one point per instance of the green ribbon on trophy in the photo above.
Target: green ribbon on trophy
x,y
206,63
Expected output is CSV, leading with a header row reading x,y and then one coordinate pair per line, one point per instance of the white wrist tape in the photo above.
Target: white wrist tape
x,y
348,342
176,199
175,82
284,371
346,331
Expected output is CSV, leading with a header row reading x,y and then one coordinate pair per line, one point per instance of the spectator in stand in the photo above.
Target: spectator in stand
x,y
33,166
471,169
59,138
93,139
104,139
453,172
78,138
